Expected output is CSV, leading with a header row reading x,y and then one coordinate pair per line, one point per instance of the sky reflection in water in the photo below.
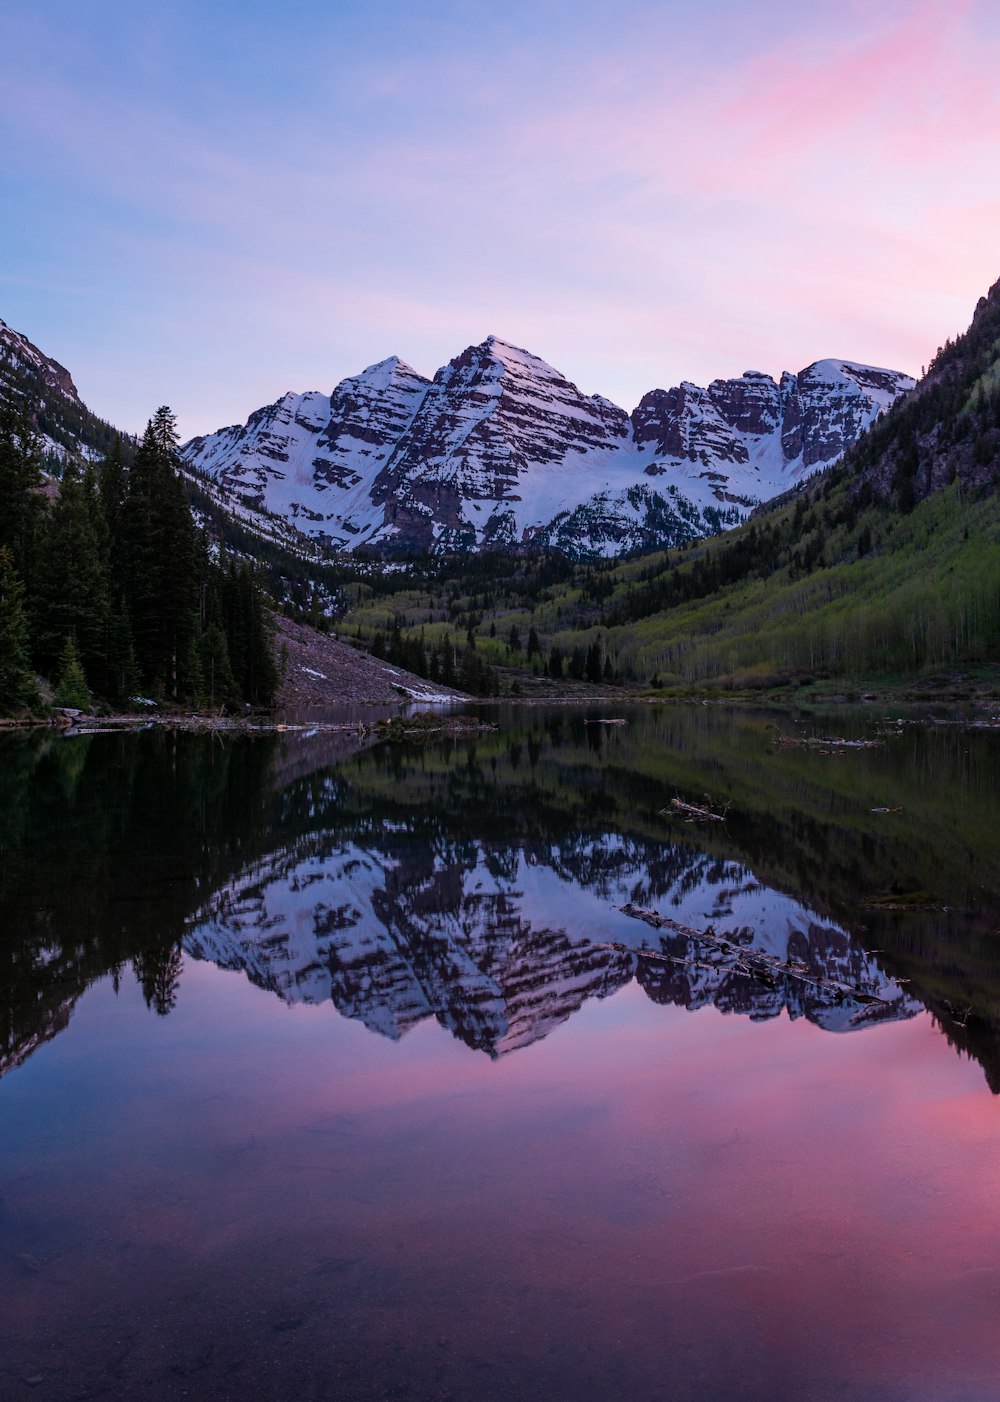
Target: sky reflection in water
x,y
251,1198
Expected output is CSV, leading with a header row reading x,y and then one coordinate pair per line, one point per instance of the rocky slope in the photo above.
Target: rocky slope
x,y
501,449
318,670
311,459
949,428
31,381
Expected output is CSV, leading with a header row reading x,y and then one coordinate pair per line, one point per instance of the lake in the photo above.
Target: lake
x,y
336,1070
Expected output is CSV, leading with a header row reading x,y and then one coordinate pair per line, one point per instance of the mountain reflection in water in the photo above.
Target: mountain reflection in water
x,y
501,944
480,882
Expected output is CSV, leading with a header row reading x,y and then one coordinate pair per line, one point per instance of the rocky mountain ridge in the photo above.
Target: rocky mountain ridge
x,y
497,449
32,382
500,449
949,428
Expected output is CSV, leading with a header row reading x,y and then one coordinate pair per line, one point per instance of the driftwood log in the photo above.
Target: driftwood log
x,y
768,968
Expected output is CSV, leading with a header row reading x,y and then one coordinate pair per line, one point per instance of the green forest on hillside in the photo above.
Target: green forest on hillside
x,y
818,589
886,567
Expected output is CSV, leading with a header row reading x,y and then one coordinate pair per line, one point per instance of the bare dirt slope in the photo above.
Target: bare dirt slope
x,y
319,670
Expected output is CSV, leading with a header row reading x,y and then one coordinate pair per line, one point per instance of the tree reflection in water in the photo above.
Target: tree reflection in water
x,y
479,882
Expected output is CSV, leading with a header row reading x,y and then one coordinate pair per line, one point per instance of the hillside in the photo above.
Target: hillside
x,y
884,568
33,383
318,670
949,430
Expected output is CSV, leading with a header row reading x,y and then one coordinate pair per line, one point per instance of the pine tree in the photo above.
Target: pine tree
x,y
159,559
121,667
23,505
17,681
260,679
158,972
71,686
71,585
219,686
111,491
448,661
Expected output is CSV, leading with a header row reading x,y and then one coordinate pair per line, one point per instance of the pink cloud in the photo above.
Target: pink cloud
x,y
818,194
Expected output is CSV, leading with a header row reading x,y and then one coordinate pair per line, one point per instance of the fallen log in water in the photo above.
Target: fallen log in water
x,y
696,813
825,744
754,963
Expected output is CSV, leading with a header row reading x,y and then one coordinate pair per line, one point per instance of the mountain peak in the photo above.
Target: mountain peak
x,y
512,357
385,373
500,449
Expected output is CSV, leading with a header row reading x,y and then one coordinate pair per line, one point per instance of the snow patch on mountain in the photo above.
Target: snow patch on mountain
x,y
500,449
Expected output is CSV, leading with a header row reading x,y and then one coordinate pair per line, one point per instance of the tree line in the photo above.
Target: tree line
x,y
108,589
462,668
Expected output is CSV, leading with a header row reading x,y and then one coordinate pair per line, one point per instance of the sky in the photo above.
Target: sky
x,y
207,205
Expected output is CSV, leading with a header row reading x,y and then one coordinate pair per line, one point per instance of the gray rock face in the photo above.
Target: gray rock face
x,y
500,449
686,424
806,420
18,354
492,419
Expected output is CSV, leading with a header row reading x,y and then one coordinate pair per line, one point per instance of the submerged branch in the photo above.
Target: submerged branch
x,y
769,968
695,812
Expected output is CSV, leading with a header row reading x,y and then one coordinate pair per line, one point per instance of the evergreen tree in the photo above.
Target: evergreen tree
x,y
116,564
71,686
448,661
17,681
121,667
260,678
219,686
21,499
71,585
534,646
159,556
593,667
158,972
111,491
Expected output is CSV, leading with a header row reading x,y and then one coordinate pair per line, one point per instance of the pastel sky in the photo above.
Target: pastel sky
x,y
209,204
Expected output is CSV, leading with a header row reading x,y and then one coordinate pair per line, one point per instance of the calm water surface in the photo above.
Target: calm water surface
x,y
340,1073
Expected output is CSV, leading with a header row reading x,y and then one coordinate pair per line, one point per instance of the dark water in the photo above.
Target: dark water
x,y
339,1073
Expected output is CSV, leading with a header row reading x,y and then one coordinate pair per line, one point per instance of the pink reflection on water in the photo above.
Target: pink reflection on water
x,y
649,1203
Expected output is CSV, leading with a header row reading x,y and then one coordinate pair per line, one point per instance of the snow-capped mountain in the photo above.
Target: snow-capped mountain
x,y
312,458
501,449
